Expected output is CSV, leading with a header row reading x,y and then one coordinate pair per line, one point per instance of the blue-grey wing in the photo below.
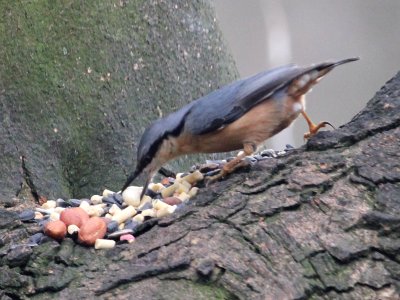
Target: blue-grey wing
x,y
229,103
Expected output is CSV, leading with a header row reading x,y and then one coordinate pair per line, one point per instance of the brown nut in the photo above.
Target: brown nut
x,y
55,229
93,229
76,216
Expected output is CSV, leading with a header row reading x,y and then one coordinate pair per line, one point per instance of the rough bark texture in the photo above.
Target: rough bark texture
x,y
80,80
320,223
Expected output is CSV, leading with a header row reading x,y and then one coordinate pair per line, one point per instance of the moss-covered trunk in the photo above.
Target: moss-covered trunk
x,y
80,80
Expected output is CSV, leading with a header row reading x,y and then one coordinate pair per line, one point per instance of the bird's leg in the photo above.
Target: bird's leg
x,y
248,149
313,128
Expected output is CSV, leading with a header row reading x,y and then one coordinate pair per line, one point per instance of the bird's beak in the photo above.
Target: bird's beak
x,y
146,184
131,178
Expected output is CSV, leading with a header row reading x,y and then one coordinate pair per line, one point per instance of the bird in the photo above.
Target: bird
x,y
238,116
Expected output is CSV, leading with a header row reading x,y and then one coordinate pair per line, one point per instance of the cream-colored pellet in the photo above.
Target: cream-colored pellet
x,y
193,191
168,191
158,204
114,209
156,187
182,188
121,226
54,216
124,214
84,205
108,216
138,218
131,195
96,199
95,211
38,215
49,204
194,177
104,244
107,193
72,229
149,213
166,211
59,209
185,183
183,196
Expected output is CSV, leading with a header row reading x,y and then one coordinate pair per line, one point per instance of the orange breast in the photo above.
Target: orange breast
x,y
257,125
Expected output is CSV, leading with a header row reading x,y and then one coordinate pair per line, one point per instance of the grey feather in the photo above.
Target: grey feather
x,y
221,107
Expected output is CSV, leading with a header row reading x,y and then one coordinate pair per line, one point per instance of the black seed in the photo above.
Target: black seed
x,y
27,216
74,202
62,203
131,224
36,238
118,233
151,193
147,205
118,197
112,226
110,200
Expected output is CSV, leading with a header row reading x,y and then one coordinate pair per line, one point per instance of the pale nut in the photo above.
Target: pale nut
x,y
55,229
156,187
158,204
104,244
72,229
194,177
168,191
149,213
131,195
49,204
93,229
54,216
114,209
107,193
138,218
124,214
193,191
96,199
183,197
165,211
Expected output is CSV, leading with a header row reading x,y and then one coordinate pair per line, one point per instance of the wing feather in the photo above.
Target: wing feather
x,y
229,103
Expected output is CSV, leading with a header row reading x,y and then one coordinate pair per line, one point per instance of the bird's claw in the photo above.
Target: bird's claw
x,y
314,129
214,178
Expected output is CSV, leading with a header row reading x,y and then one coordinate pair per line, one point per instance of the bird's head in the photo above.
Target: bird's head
x,y
156,147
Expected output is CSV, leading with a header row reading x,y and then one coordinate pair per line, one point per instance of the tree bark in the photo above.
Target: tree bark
x,y
321,222
80,80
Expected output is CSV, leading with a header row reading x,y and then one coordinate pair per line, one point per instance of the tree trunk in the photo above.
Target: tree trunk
x,y
80,80
321,222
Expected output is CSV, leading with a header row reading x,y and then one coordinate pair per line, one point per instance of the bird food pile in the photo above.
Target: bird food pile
x,y
105,220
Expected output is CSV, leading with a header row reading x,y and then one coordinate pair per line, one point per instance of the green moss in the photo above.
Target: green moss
x,y
82,80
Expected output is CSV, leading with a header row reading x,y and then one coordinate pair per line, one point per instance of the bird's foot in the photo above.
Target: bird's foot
x,y
225,171
314,129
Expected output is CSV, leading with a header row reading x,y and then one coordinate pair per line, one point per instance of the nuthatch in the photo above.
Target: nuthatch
x,y
240,115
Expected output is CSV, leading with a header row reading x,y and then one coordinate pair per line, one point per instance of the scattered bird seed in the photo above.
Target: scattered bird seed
x,y
125,214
